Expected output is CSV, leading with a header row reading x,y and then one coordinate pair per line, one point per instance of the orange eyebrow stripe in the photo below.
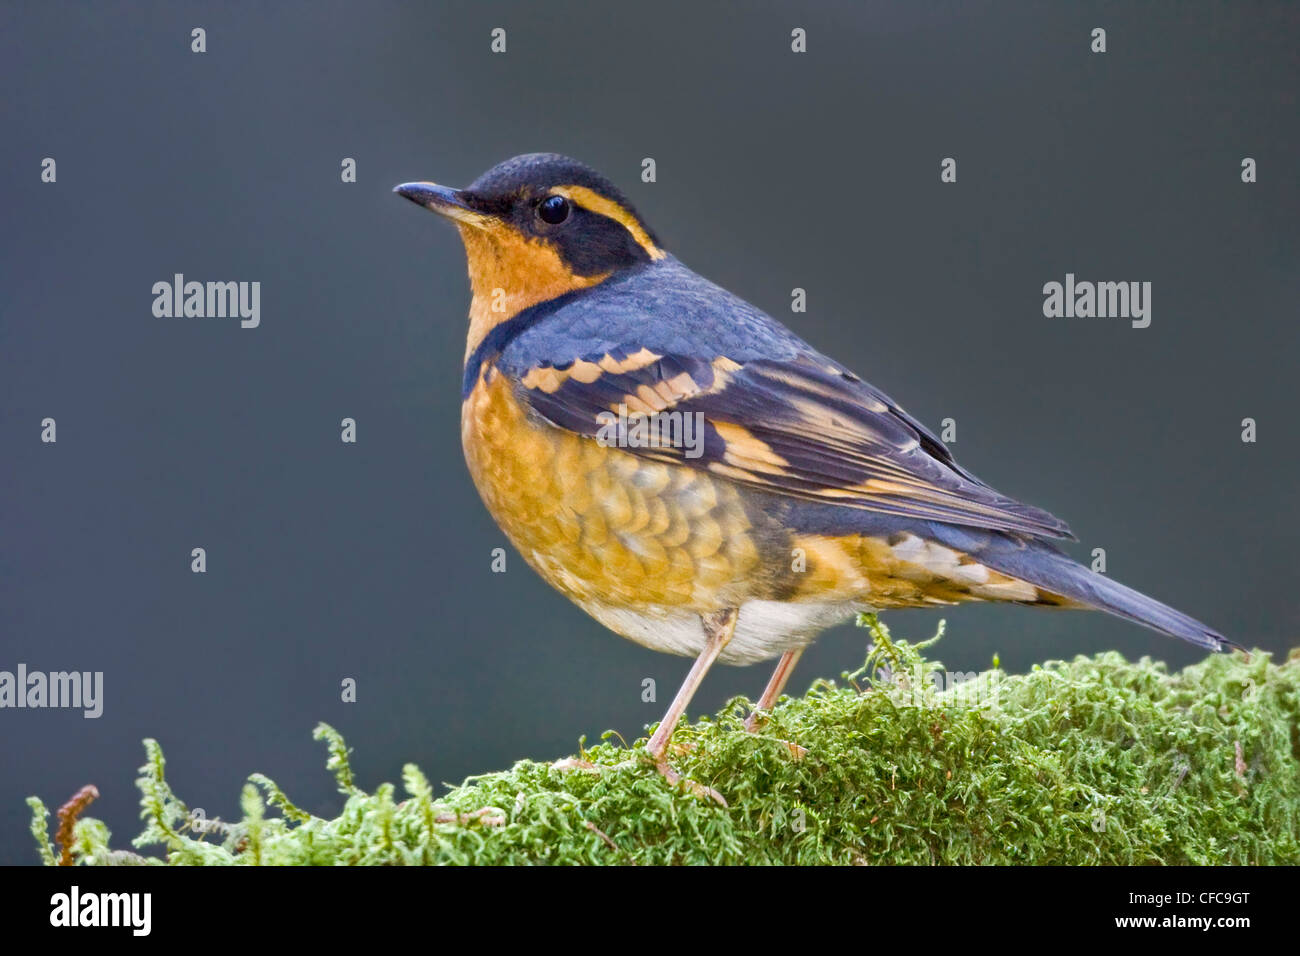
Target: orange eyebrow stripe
x,y
595,202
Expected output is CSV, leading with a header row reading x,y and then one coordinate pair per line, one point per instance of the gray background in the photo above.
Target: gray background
x,y
775,170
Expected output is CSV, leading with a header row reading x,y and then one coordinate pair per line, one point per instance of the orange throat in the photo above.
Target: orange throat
x,y
509,273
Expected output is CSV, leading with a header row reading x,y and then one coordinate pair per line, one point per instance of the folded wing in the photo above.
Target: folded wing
x,y
801,426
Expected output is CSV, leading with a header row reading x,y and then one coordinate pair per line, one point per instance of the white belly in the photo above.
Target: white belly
x,y
764,629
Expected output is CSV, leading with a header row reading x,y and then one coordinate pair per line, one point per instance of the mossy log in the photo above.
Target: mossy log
x,y
1092,761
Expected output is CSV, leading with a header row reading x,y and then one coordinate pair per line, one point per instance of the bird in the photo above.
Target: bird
x,y
693,474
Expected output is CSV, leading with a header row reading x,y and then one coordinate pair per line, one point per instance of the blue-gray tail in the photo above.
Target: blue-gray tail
x,y
1043,566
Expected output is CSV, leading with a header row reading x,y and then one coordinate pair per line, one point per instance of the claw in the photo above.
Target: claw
x,y
698,789
754,723
797,752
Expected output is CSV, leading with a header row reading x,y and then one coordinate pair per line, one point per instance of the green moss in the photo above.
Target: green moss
x,y
1097,760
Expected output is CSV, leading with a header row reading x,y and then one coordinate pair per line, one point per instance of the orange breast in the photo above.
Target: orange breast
x,y
601,524
607,527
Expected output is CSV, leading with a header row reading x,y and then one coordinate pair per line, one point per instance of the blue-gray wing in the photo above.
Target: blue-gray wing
x,y
800,425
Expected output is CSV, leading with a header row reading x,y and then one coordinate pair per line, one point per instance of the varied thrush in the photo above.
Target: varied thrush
x,y
777,494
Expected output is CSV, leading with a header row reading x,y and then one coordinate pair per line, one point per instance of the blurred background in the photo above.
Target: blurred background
x,y
775,170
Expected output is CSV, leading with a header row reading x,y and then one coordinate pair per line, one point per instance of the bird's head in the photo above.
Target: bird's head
x,y
535,227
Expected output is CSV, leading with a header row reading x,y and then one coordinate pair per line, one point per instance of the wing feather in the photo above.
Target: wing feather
x,y
803,427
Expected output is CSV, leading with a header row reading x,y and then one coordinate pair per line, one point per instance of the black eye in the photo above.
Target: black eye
x,y
553,210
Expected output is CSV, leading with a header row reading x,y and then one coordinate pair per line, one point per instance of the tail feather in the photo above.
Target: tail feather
x,y
1048,569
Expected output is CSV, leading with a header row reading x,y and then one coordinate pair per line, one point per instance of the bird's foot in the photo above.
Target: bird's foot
x,y
754,723
575,763
698,789
796,751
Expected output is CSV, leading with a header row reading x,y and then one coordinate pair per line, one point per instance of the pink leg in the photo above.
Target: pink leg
x,y
718,629
772,692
